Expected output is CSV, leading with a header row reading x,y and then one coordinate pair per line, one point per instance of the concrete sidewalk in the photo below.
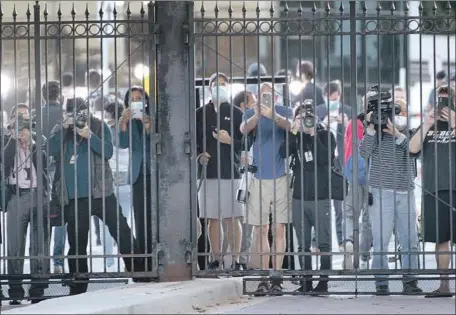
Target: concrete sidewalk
x,y
191,297
338,305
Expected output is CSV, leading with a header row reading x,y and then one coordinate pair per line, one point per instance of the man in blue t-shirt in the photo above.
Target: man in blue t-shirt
x,y
269,186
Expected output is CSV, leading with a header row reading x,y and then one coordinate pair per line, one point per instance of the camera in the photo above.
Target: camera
x,y
248,169
77,110
243,193
307,108
381,105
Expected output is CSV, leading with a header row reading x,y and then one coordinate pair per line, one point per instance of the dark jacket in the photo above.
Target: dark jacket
x,y
100,188
10,153
137,147
304,183
228,116
51,114
321,112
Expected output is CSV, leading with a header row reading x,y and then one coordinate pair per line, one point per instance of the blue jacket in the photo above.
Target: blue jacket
x,y
136,149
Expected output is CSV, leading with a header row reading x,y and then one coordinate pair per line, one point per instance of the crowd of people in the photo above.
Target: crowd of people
x,y
81,139
293,163
267,170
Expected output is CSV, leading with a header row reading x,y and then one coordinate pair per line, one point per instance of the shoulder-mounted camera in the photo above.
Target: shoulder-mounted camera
x,y
381,105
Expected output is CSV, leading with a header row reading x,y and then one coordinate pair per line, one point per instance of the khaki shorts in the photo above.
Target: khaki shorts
x,y
258,210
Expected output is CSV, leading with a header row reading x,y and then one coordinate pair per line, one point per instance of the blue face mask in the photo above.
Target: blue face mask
x,y
333,105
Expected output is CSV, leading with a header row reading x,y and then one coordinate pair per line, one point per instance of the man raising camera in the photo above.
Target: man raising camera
x,y
86,185
391,181
20,154
436,141
312,148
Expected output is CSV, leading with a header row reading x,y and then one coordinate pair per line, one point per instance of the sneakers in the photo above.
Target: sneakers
x,y
364,264
214,265
58,269
347,263
382,290
263,289
411,287
322,287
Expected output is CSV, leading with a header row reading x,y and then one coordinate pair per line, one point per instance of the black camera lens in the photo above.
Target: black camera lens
x,y
309,121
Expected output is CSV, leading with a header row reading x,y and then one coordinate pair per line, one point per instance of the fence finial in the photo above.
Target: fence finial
x,y
341,8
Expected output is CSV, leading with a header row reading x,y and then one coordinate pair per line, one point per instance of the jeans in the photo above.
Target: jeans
x,y
338,204
59,245
394,210
351,214
308,214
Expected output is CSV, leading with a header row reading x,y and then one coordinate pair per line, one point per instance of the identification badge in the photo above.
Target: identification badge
x,y
308,156
73,159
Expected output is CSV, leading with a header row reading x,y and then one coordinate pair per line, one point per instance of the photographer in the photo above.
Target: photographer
x,y
134,131
20,161
435,140
81,143
391,181
313,150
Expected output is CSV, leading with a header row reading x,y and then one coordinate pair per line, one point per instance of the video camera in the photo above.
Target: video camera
x,y
381,105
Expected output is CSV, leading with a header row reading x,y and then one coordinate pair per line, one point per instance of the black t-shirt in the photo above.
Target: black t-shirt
x,y
310,91
230,119
439,159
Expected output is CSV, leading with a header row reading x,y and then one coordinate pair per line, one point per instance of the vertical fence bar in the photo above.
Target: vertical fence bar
x,y
174,174
39,132
353,100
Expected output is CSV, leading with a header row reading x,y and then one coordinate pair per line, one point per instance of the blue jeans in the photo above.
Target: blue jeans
x,y
394,211
59,245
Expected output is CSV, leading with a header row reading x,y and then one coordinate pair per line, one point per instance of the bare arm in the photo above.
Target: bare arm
x,y
250,124
282,122
416,143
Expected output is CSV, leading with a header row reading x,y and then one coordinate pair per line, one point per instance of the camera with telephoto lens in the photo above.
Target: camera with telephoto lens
x,y
381,105
243,193
307,109
80,115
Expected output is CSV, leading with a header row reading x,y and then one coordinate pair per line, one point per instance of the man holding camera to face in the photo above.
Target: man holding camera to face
x,y
391,181
269,186
22,180
82,146
312,149
435,140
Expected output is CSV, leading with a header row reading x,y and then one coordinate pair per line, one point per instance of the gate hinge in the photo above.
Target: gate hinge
x,y
187,143
186,34
157,141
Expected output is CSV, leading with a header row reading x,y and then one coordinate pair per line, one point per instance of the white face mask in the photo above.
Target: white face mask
x,y
400,122
219,94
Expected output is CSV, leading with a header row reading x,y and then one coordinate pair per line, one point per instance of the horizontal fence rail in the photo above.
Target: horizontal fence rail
x,y
164,141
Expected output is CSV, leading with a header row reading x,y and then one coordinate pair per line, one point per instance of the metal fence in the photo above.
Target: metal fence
x,y
270,181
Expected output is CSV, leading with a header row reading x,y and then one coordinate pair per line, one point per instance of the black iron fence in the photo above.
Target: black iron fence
x,y
292,168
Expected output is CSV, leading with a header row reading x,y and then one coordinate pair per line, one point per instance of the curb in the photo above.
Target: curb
x,y
190,297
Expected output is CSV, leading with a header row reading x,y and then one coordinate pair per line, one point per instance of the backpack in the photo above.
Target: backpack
x,y
362,170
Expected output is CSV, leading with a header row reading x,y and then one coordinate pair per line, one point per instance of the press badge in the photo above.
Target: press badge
x,y
73,159
308,156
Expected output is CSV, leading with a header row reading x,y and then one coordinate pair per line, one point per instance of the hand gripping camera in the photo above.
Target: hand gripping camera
x,y
381,105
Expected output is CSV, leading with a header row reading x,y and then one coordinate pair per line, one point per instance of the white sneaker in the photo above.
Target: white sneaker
x,y
364,264
347,248
58,269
